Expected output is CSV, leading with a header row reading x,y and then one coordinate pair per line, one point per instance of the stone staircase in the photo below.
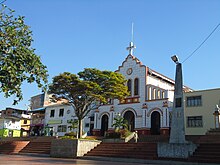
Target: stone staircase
x,y
207,152
153,138
213,131
209,148
12,147
40,145
140,150
27,145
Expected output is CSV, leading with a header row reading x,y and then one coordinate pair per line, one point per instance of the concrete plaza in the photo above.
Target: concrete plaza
x,y
37,160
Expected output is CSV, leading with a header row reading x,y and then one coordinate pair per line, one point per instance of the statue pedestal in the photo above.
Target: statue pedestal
x,y
175,150
177,147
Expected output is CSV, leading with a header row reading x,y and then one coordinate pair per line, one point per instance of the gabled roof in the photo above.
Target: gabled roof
x,y
167,79
152,72
133,58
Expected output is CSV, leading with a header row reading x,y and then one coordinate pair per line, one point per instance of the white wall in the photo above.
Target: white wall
x,y
12,125
67,115
139,71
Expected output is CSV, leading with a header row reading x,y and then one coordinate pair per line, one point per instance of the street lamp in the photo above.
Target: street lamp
x,y
175,59
177,134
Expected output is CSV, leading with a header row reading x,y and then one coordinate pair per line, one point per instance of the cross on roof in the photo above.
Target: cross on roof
x,y
131,48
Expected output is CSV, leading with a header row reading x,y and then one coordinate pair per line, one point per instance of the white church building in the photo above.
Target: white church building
x,y
148,107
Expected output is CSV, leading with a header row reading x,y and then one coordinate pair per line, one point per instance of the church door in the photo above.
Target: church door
x,y
104,125
129,117
155,123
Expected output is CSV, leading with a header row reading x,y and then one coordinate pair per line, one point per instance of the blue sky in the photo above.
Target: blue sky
x,y
70,35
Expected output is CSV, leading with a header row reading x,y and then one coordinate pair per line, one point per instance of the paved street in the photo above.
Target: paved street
x,y
36,160
33,160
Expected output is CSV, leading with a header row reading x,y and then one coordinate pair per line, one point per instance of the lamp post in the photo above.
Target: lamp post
x,y
177,134
177,147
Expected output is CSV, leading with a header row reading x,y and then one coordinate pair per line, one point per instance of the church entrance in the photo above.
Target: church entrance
x,y
104,125
155,123
129,117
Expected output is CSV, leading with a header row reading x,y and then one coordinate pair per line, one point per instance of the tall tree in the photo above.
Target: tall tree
x,y
88,89
18,61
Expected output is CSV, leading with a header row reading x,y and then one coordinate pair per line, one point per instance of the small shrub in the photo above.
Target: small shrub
x,y
67,137
70,134
113,135
122,133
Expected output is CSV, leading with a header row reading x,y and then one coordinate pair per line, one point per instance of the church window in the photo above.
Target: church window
x,y
149,93
136,86
163,94
109,101
129,83
154,93
158,94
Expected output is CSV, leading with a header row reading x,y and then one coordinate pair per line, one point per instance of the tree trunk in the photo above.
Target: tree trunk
x,y
80,128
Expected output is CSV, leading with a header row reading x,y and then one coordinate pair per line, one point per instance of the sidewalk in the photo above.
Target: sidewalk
x,y
143,161
43,160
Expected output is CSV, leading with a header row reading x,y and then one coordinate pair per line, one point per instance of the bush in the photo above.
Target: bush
x,y
67,137
70,134
122,133
72,137
113,135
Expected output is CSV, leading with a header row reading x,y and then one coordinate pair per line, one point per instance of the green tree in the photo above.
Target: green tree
x,y
73,124
88,89
18,62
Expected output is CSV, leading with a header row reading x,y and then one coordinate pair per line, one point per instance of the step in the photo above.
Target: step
x,y
202,160
124,152
126,156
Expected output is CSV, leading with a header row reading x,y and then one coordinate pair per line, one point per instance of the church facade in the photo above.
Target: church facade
x,y
148,107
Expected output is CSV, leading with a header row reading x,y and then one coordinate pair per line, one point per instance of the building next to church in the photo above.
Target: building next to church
x,y
201,111
148,107
14,123
50,118
58,118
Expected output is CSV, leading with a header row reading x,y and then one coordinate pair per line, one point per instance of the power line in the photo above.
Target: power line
x,y
2,2
202,42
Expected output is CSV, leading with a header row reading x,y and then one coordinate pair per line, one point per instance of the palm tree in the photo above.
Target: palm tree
x,y
119,123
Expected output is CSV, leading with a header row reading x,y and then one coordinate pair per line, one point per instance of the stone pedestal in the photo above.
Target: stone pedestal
x,y
68,148
175,150
177,147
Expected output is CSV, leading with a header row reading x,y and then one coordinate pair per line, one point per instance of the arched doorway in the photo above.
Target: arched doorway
x,y
129,117
155,123
104,125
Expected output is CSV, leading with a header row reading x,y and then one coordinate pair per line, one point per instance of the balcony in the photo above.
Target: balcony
x,y
130,100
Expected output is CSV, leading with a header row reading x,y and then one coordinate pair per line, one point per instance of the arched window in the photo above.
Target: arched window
x,y
163,94
154,93
136,86
149,93
158,94
129,83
